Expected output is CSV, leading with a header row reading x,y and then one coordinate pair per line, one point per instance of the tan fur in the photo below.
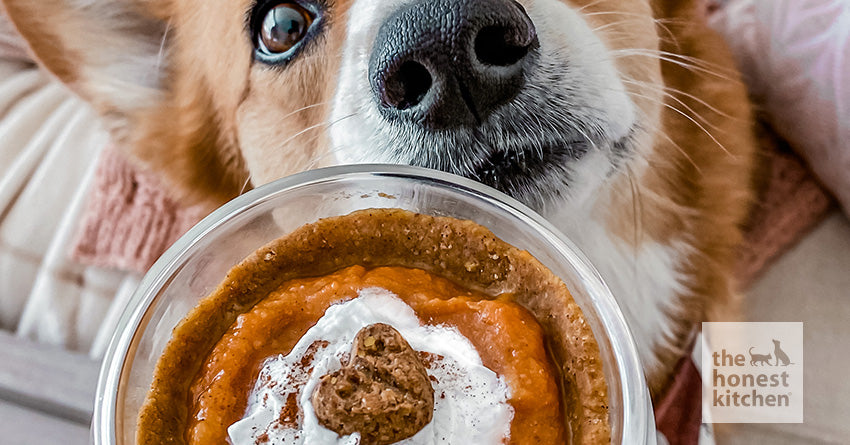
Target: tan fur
x,y
47,46
199,126
702,164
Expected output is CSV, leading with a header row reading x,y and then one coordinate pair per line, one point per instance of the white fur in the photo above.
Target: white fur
x,y
565,41
350,138
644,279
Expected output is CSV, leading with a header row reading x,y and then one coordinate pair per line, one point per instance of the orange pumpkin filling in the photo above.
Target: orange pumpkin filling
x,y
507,337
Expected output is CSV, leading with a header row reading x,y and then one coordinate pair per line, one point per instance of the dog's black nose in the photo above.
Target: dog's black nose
x,y
442,63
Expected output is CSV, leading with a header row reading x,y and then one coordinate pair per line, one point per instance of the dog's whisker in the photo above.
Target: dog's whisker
x,y
689,63
660,23
309,58
667,93
245,185
308,107
326,127
160,56
311,162
311,128
687,107
637,218
659,131
612,36
681,151
672,92
701,127
696,61
688,117
669,90
314,161
538,147
606,26
587,138
589,5
635,17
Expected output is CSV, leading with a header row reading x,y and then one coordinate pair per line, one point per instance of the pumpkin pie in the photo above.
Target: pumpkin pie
x,y
378,327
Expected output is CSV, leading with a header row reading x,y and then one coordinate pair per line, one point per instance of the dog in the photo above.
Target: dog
x,y
623,122
781,356
759,359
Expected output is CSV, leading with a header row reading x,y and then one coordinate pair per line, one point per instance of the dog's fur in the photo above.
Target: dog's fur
x,y
656,201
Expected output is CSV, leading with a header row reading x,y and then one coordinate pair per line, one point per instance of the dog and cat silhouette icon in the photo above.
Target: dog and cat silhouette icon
x,y
764,359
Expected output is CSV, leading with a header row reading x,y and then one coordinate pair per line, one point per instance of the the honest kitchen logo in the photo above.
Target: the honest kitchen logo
x,y
745,388
752,372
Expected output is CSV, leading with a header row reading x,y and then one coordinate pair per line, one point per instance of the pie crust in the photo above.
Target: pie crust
x,y
461,251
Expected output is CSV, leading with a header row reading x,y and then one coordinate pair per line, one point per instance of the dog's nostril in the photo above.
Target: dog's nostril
x,y
455,71
407,86
499,46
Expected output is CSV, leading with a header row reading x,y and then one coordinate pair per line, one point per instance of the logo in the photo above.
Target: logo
x,y
752,372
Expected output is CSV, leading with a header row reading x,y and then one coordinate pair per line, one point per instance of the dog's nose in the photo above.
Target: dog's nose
x,y
443,63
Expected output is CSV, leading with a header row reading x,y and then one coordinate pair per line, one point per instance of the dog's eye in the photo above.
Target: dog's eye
x,y
283,27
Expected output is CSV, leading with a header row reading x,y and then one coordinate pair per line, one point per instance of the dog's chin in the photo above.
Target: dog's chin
x,y
536,174
533,175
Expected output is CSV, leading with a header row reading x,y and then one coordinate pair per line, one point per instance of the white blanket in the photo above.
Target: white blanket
x,y
49,142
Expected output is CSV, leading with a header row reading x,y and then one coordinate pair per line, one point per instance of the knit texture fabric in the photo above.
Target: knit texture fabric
x,y
678,414
130,219
790,203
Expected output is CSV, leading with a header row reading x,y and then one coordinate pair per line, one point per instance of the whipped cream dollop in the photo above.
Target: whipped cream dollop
x,y
470,400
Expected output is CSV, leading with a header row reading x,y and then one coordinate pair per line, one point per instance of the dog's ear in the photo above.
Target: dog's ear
x,y
118,56
108,51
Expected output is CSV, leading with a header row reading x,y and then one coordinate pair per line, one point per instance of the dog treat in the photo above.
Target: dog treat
x,y
378,327
383,393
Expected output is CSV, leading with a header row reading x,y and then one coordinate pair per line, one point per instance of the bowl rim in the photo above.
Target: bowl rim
x,y
636,401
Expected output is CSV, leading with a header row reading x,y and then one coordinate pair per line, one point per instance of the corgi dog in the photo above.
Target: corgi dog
x,y
623,122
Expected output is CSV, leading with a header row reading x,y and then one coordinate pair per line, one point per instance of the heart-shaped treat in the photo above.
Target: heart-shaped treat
x,y
383,392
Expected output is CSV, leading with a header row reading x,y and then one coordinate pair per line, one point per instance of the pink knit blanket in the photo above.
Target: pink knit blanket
x,y
790,203
129,219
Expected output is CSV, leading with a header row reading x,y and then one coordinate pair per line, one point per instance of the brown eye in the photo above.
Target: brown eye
x,y
283,27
